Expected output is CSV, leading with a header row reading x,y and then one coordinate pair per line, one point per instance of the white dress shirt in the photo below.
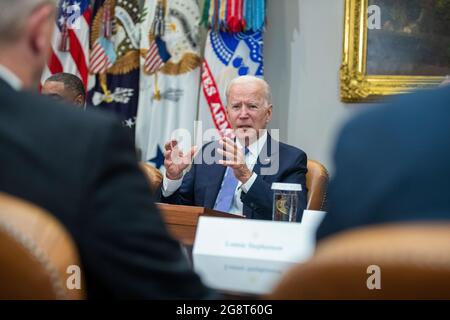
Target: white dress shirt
x,y
170,186
10,78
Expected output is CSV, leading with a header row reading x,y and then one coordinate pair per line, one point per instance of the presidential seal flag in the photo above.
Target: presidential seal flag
x,y
227,56
114,57
170,76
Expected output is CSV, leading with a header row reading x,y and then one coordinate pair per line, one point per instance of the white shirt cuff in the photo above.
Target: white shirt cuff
x,y
170,186
246,186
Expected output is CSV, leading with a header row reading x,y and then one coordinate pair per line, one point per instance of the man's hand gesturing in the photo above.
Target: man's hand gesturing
x,y
175,160
234,158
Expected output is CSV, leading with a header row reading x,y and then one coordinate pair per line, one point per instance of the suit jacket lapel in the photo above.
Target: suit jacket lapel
x,y
266,156
265,159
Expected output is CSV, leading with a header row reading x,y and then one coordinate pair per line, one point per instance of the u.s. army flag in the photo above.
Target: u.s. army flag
x,y
227,56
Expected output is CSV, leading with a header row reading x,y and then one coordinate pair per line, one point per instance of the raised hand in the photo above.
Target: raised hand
x,y
234,158
175,160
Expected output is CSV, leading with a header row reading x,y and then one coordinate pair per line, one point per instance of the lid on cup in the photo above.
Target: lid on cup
x,y
286,186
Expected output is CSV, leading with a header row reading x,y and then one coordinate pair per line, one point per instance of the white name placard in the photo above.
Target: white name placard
x,y
312,219
248,255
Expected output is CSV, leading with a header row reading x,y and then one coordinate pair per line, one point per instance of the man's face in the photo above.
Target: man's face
x,y
58,91
248,110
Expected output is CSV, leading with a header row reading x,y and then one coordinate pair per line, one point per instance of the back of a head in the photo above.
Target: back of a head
x,y
26,28
13,14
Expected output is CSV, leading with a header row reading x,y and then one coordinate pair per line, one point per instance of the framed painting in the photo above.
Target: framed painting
x,y
394,46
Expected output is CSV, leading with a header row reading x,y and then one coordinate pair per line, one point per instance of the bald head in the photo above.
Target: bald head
x,y
13,16
26,28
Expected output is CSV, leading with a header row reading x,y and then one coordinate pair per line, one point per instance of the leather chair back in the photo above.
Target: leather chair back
x,y
406,261
317,184
153,175
35,253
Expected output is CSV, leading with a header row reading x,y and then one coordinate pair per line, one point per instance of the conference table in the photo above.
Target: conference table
x,y
182,221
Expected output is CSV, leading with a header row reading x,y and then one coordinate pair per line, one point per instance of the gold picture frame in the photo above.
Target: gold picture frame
x,y
356,84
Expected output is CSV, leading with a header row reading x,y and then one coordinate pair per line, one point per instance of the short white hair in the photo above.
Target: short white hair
x,y
247,79
13,15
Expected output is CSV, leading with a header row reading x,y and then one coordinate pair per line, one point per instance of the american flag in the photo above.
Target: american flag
x,y
70,42
103,54
156,57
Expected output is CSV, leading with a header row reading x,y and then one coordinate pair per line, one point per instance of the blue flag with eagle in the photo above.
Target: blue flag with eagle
x,y
114,58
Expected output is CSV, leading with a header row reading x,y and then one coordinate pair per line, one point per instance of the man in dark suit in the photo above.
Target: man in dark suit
x,y
235,175
393,164
81,167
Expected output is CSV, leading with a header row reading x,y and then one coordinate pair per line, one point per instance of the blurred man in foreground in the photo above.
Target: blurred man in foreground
x,y
393,164
81,167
